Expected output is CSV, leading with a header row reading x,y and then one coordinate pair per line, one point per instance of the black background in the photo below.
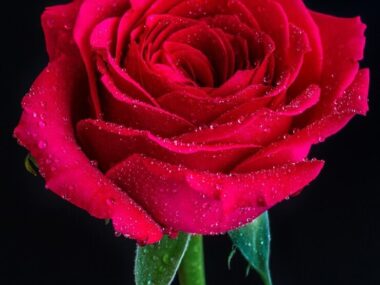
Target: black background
x,y
328,235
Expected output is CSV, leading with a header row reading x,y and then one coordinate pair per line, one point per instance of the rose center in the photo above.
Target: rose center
x,y
205,52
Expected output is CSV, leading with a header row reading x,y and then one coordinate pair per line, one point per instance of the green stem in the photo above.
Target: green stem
x,y
192,269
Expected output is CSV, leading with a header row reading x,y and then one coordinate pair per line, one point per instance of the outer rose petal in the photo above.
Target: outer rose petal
x,y
58,22
296,147
205,203
343,45
46,130
110,144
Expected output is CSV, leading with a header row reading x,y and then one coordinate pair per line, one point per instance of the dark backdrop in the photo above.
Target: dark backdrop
x,y
328,235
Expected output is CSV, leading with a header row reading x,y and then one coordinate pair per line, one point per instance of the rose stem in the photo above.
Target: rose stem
x,y
192,269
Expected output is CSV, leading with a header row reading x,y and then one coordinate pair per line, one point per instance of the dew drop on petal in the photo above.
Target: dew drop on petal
x,y
41,124
110,202
67,27
42,144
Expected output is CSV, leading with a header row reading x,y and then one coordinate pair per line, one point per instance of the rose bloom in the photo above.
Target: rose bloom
x,y
194,116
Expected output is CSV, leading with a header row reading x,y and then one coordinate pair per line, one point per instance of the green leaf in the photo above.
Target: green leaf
x,y
157,264
253,241
31,165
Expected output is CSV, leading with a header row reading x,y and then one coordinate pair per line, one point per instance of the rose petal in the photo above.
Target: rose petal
x,y
160,27
294,57
102,42
307,99
272,20
141,71
127,23
109,144
259,44
193,62
103,36
121,109
124,82
90,14
137,16
218,202
140,3
46,131
296,147
209,42
343,46
261,127
58,22
199,8
237,8
240,80
260,100
299,15
202,109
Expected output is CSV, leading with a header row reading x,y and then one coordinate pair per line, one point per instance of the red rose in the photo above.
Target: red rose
x,y
195,116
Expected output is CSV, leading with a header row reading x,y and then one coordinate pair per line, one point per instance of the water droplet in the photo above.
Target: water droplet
x,y
110,201
166,259
41,124
67,27
42,144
